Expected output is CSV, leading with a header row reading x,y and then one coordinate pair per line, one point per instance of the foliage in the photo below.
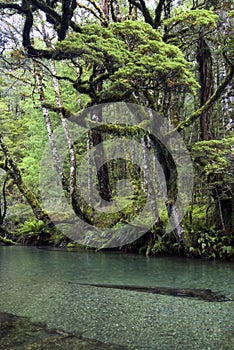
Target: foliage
x,y
216,157
148,56
212,245
6,241
33,232
133,54
203,18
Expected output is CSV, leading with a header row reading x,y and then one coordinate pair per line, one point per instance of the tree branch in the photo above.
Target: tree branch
x,y
142,7
15,174
102,20
68,9
52,16
146,13
210,102
158,13
100,15
66,113
59,77
12,6
27,29
62,22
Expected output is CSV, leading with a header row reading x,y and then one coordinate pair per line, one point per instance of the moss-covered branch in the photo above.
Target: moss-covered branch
x,y
15,174
6,241
65,111
101,18
210,102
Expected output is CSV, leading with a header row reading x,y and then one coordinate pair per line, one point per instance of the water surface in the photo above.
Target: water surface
x,y
44,285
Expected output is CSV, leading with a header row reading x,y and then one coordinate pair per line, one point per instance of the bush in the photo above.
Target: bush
x,y
33,232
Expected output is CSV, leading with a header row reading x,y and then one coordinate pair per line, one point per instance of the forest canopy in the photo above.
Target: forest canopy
x,y
59,58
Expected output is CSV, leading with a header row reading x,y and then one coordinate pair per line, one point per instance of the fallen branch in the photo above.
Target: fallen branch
x,y
201,294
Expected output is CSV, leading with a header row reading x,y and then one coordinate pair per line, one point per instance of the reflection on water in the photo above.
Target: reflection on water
x,y
44,285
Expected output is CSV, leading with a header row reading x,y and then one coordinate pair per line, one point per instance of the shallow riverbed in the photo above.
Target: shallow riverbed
x,y
44,285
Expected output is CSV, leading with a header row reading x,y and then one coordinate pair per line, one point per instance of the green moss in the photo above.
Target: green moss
x,y
194,18
133,55
6,241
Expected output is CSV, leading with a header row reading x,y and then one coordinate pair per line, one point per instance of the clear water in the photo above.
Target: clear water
x,y
44,285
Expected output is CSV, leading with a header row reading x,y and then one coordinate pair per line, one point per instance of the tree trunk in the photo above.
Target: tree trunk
x,y
102,169
164,160
72,188
3,202
15,174
205,71
208,105
224,210
148,178
49,127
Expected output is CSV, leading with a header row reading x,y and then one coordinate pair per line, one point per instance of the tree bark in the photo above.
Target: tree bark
x,y
205,71
99,156
145,141
3,202
209,103
72,154
49,127
164,159
15,174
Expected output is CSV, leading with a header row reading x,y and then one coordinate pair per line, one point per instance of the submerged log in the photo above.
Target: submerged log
x,y
198,293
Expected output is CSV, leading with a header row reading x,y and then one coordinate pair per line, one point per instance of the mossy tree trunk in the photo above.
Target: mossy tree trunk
x,y
101,168
205,72
3,202
14,172
224,209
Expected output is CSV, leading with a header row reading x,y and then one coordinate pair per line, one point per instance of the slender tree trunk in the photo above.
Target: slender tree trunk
x,y
102,169
97,139
72,188
148,177
90,172
105,8
49,127
209,103
15,174
205,70
169,186
3,202
225,28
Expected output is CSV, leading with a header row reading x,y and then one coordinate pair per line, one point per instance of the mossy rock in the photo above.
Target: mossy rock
x,y
19,333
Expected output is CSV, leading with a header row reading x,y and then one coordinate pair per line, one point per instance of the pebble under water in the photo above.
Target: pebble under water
x,y
44,286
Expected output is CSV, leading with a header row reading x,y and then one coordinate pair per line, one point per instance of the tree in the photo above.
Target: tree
x,y
145,56
10,166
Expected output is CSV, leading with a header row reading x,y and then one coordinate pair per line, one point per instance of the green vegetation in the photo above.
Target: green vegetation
x,y
175,59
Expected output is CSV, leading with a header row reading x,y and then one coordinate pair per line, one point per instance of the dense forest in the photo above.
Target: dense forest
x,y
117,125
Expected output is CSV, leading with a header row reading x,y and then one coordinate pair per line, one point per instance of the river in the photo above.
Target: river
x,y
45,286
